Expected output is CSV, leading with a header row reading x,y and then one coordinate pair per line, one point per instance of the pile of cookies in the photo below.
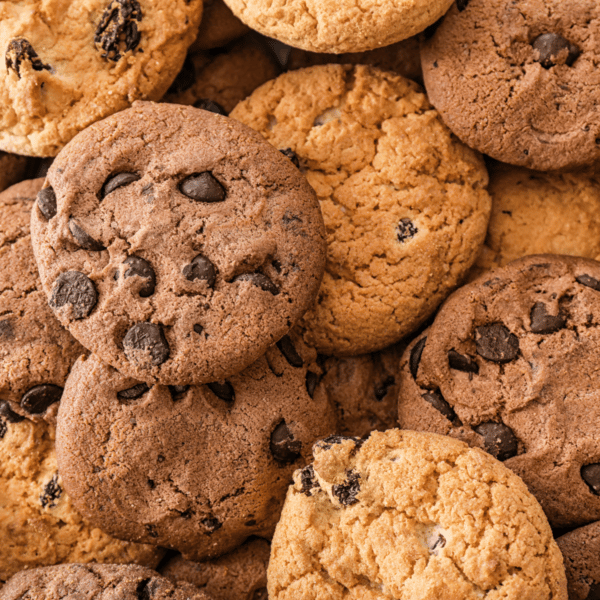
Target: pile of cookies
x,y
277,321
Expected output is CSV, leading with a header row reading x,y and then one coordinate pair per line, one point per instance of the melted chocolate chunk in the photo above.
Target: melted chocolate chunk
x,y
588,281
553,49
312,379
201,269
51,493
346,492
381,389
202,187
117,181
147,339
292,156
461,4
283,447
542,322
39,398
406,230
76,289
415,356
212,524
8,414
210,106
462,363
84,239
496,343
308,480
117,31
223,390
259,280
133,393
141,268
289,352
437,401
46,201
20,50
178,391
591,475
499,440
185,79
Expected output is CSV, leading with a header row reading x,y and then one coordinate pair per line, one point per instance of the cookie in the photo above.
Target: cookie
x,y
411,515
404,203
70,65
225,77
176,243
518,81
218,27
580,549
509,365
102,582
12,169
333,27
197,469
239,575
38,524
36,352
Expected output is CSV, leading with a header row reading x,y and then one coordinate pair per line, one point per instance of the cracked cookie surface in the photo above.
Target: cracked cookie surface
x,y
404,202
178,245
411,515
510,365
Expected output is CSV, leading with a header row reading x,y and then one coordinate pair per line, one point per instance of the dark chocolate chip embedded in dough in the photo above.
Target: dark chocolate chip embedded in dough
x,y
74,288
46,201
145,343
311,383
496,343
308,480
591,475
198,328
201,269
461,4
259,280
289,352
553,49
133,393
260,594
117,32
438,402
39,398
588,281
185,79
178,391
462,363
406,230
20,50
51,493
543,322
116,181
8,414
223,390
84,239
210,106
499,440
381,389
292,156
212,524
139,267
202,187
284,448
346,492
415,356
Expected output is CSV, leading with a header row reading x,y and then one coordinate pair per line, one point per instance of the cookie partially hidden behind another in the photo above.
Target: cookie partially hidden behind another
x,y
12,169
218,27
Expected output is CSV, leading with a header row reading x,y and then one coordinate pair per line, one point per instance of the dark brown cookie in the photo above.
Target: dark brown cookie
x,y
198,469
510,365
176,243
218,27
12,169
519,80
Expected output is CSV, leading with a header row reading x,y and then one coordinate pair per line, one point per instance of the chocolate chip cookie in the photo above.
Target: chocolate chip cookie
x,y
176,243
198,469
36,352
509,365
518,80
12,169
68,65
404,202
411,515
218,27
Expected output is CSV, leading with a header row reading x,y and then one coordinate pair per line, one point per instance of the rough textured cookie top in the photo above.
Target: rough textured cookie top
x,y
334,26
176,243
519,80
67,64
412,516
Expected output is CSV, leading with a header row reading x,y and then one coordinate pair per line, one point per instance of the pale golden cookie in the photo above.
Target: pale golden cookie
x,y
218,27
12,169
404,203
412,516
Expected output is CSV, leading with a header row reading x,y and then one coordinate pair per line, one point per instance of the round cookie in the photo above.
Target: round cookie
x,y
411,515
239,575
12,169
36,352
101,582
176,243
197,469
38,524
218,27
518,80
331,26
509,365
72,64
404,203
580,549
225,77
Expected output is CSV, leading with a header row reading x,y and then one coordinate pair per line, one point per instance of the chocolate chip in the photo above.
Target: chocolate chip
x,y
496,343
591,475
117,31
141,268
133,393
308,480
461,4
499,440
202,187
146,343
185,79
6,329
46,201
415,356
178,391
84,239
198,328
542,322
260,594
382,388
438,402
74,288
117,181
8,414
553,49
39,398
51,494
346,492
259,280
283,447
406,230
210,106
223,390
212,524
588,281
462,363
287,349
19,50
201,269
311,383
292,156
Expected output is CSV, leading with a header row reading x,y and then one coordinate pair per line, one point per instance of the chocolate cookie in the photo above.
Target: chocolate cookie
x,y
404,202
176,243
218,27
518,80
411,515
38,524
580,549
239,575
36,352
509,365
197,469
12,169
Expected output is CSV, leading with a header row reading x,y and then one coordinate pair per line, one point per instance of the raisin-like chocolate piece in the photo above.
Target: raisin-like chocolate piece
x,y
284,448
117,31
439,403
346,492
308,480
203,187
543,322
588,281
145,344
36,400
554,49
201,269
259,280
116,181
133,393
141,268
415,356
223,390
496,343
84,239
52,492
20,50
406,230
46,201
499,440
289,352
462,363
75,289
